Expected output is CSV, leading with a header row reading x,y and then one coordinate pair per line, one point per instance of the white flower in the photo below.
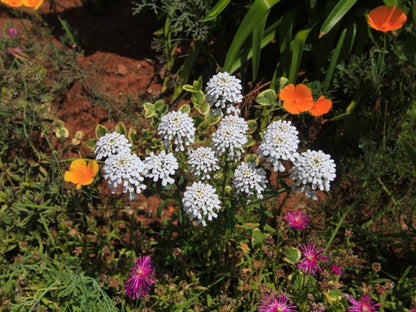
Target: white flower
x,y
202,162
223,90
280,142
161,167
111,144
313,170
179,127
127,169
201,202
230,137
250,180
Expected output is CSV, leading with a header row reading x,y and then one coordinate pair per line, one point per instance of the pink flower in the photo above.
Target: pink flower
x,y
139,280
298,221
364,305
12,32
347,232
412,309
279,304
310,262
336,269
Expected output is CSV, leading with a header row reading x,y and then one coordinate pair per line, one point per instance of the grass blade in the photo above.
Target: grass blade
x,y
216,10
297,46
251,19
258,33
334,60
336,15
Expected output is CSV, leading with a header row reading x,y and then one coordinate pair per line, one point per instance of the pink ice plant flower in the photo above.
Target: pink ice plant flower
x,y
364,305
311,259
279,304
298,221
140,280
336,269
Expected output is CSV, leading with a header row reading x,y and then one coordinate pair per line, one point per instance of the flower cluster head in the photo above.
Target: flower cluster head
x,y
201,202
127,169
386,19
111,144
313,170
161,167
140,280
230,137
298,220
223,90
179,127
337,270
298,99
311,259
281,303
250,180
81,173
202,162
280,142
366,304
35,4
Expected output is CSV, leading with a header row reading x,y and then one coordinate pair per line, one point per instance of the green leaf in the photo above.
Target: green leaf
x,y
100,131
216,10
257,237
159,105
132,136
149,110
252,126
185,109
297,46
202,109
90,143
336,15
267,98
255,14
121,128
189,88
198,98
292,255
257,37
334,60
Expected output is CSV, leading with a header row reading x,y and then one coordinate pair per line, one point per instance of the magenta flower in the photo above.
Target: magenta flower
x,y
336,270
279,304
298,221
412,309
139,280
12,32
310,262
364,305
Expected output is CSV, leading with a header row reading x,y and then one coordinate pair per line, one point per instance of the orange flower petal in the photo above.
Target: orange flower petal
x,y
80,173
296,99
385,18
13,3
33,3
320,107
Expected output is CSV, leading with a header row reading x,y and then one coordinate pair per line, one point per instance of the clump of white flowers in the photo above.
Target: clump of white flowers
x,y
201,202
111,144
222,91
161,167
179,127
313,170
202,162
125,169
280,142
230,137
250,180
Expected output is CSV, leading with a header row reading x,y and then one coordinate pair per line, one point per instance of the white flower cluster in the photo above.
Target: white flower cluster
x,y
111,144
161,167
250,180
313,170
179,127
201,202
280,142
230,137
223,90
202,162
125,168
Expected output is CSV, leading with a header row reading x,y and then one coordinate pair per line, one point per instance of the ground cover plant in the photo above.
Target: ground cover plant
x,y
218,193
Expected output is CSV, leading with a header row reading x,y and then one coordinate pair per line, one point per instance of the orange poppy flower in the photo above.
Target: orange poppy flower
x,y
320,107
296,99
80,173
385,18
33,3
13,3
